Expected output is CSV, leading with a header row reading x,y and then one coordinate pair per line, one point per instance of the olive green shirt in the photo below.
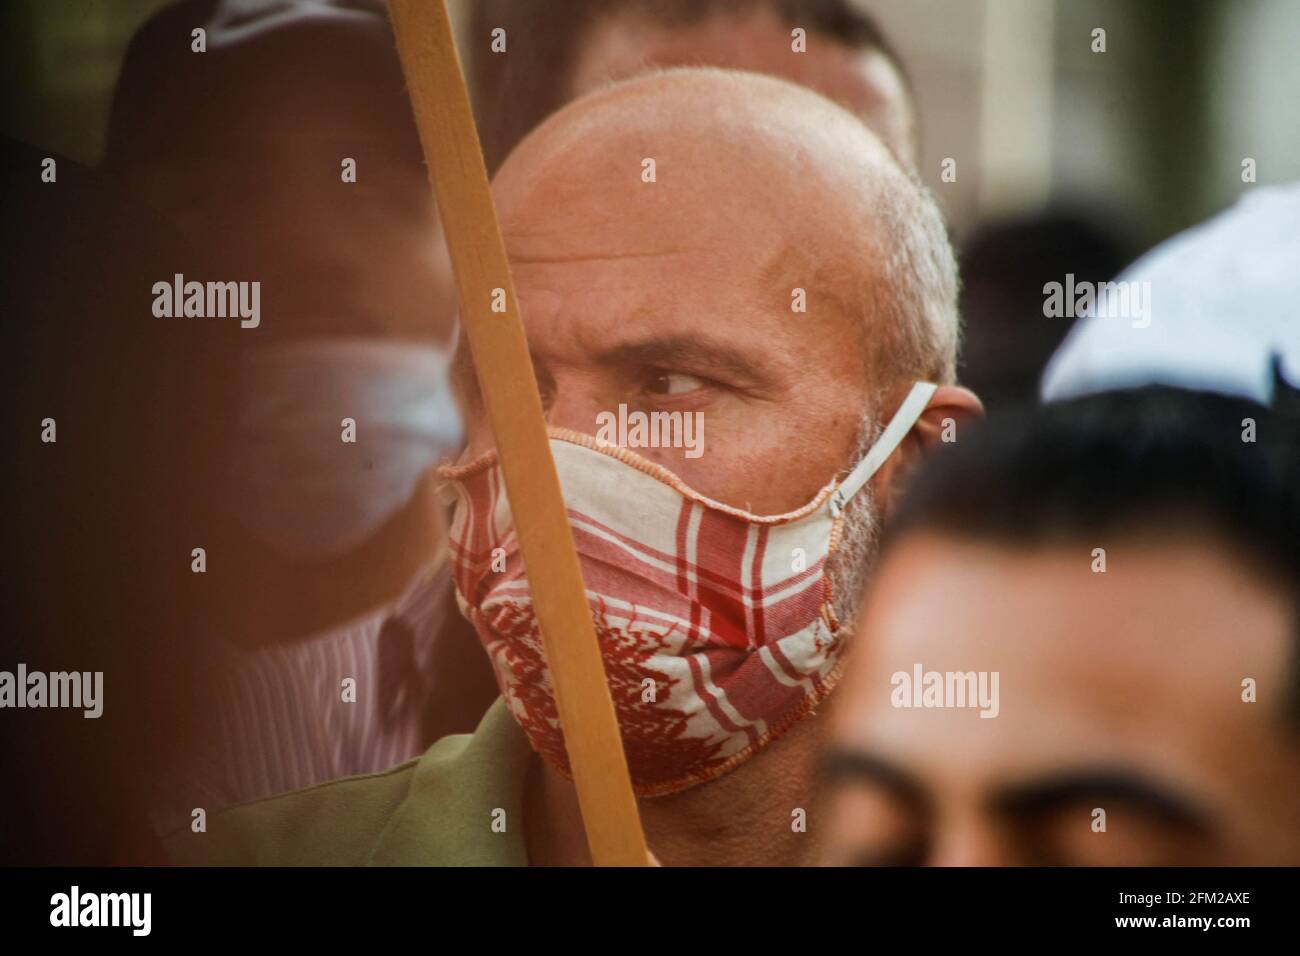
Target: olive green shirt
x,y
461,804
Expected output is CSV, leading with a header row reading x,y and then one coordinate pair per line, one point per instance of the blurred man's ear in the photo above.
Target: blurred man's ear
x,y
950,410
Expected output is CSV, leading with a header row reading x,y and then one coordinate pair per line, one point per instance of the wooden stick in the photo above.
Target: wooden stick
x,y
505,373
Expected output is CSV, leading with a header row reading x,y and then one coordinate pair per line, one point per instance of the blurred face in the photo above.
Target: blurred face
x,y
864,82
1118,692
363,255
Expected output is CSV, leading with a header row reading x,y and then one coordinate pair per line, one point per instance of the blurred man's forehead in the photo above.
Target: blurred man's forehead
x,y
864,80
1149,654
1173,586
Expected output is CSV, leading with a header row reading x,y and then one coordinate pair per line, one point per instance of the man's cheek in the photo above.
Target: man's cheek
x,y
714,471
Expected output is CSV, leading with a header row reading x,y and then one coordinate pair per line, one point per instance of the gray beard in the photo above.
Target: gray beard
x,y
849,568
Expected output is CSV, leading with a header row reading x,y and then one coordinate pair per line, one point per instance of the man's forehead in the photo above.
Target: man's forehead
x,y
699,157
642,201
633,286
652,325
1066,692
1172,623
715,313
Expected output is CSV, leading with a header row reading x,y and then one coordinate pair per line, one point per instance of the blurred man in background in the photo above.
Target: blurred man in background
x,y
1126,561
1123,573
550,54
1005,266
1223,311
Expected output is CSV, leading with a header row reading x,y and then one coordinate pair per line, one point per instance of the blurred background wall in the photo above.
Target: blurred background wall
x,y
1153,130
1150,134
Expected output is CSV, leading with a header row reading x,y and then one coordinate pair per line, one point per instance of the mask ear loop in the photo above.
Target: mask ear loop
x,y
907,415
445,490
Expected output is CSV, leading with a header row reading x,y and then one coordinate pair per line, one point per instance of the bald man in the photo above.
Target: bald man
x,y
705,246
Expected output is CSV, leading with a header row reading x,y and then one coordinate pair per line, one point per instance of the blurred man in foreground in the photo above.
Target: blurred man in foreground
x,y
1081,647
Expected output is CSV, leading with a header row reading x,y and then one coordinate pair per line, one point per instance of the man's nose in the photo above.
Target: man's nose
x,y
971,840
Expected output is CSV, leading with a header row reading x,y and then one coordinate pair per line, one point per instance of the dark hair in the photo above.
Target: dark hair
x,y
516,93
1128,458
1129,461
1004,265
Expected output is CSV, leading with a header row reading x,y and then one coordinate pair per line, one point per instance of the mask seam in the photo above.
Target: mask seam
x,y
653,470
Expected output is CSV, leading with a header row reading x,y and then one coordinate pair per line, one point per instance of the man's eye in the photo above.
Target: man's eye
x,y
673,383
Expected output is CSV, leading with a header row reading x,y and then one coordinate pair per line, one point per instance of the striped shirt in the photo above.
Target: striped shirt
x,y
346,702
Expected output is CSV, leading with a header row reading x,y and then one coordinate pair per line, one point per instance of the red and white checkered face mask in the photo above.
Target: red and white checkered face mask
x,y
715,624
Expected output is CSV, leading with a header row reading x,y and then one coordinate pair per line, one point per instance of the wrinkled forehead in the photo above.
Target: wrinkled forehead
x,y
696,309
713,150
584,274
659,232
634,193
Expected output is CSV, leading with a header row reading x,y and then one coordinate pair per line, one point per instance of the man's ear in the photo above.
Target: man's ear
x,y
950,410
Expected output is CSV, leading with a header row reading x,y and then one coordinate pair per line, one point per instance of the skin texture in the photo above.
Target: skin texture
x,y
864,82
675,296
1132,677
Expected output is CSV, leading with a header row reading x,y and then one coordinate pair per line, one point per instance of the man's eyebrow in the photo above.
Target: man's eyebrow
x,y
1102,786
683,351
839,764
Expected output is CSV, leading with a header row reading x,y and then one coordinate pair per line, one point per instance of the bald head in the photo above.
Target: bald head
x,y
733,245
762,181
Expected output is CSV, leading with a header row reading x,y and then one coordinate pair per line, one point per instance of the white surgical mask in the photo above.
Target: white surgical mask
x,y
300,487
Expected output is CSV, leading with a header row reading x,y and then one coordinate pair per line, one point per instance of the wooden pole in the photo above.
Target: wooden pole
x,y
505,373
